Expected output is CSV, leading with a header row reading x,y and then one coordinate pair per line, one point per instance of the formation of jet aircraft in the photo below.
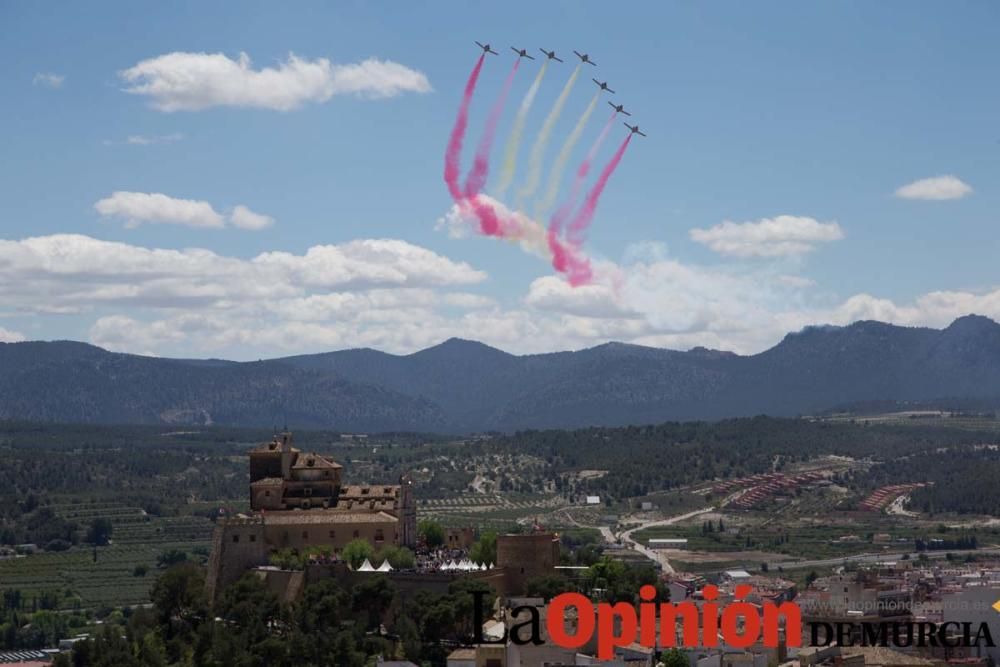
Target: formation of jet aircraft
x,y
603,85
584,58
620,108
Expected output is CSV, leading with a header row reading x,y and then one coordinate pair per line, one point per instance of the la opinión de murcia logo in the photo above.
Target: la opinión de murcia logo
x,y
739,624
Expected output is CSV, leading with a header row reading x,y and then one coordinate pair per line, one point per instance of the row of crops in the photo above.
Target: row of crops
x,y
85,577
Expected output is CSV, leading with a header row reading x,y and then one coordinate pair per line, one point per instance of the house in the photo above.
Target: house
x,y
462,657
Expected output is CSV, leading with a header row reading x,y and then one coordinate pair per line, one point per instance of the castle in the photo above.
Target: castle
x,y
298,501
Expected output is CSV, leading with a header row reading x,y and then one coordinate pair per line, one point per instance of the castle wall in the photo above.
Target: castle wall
x,y
524,557
313,532
237,546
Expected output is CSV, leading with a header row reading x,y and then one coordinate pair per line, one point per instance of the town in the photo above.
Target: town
x,y
454,551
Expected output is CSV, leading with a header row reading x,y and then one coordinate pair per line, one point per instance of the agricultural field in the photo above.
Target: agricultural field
x,y
497,512
119,574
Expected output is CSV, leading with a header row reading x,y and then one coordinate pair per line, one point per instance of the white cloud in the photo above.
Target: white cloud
x,y
468,301
70,272
399,297
795,282
551,293
48,79
194,81
782,236
8,336
937,188
244,218
137,208
142,140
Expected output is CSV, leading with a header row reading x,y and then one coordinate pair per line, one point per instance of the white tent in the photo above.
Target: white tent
x,y
366,567
384,567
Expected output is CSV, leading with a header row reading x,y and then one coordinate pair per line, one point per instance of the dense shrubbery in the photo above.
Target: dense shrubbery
x,y
330,625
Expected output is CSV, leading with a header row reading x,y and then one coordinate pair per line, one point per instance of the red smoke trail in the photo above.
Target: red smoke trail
x,y
476,179
453,153
566,258
581,173
559,217
586,213
489,222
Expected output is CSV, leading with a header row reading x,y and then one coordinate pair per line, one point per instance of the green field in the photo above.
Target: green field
x,y
80,581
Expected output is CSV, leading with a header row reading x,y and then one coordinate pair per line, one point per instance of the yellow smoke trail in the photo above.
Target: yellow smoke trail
x,y
514,140
559,166
538,150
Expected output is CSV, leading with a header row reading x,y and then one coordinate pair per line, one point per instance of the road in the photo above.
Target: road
x,y
874,558
656,556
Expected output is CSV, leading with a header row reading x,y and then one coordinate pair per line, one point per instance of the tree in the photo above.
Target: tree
x,y
171,557
249,608
673,658
484,551
373,595
547,586
179,596
357,551
432,532
400,558
100,531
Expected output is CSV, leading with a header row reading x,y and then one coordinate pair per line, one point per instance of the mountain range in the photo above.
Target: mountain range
x,y
464,386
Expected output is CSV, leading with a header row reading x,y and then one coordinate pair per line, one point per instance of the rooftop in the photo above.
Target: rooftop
x,y
305,461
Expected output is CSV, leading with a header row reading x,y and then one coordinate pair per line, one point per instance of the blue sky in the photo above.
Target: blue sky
x,y
818,112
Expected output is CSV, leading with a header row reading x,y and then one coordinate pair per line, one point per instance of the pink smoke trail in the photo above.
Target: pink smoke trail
x,y
453,153
585,215
559,217
476,178
567,258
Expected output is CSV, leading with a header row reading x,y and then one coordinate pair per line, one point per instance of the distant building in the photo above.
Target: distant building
x,y
525,557
459,538
462,657
593,500
299,502
668,543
